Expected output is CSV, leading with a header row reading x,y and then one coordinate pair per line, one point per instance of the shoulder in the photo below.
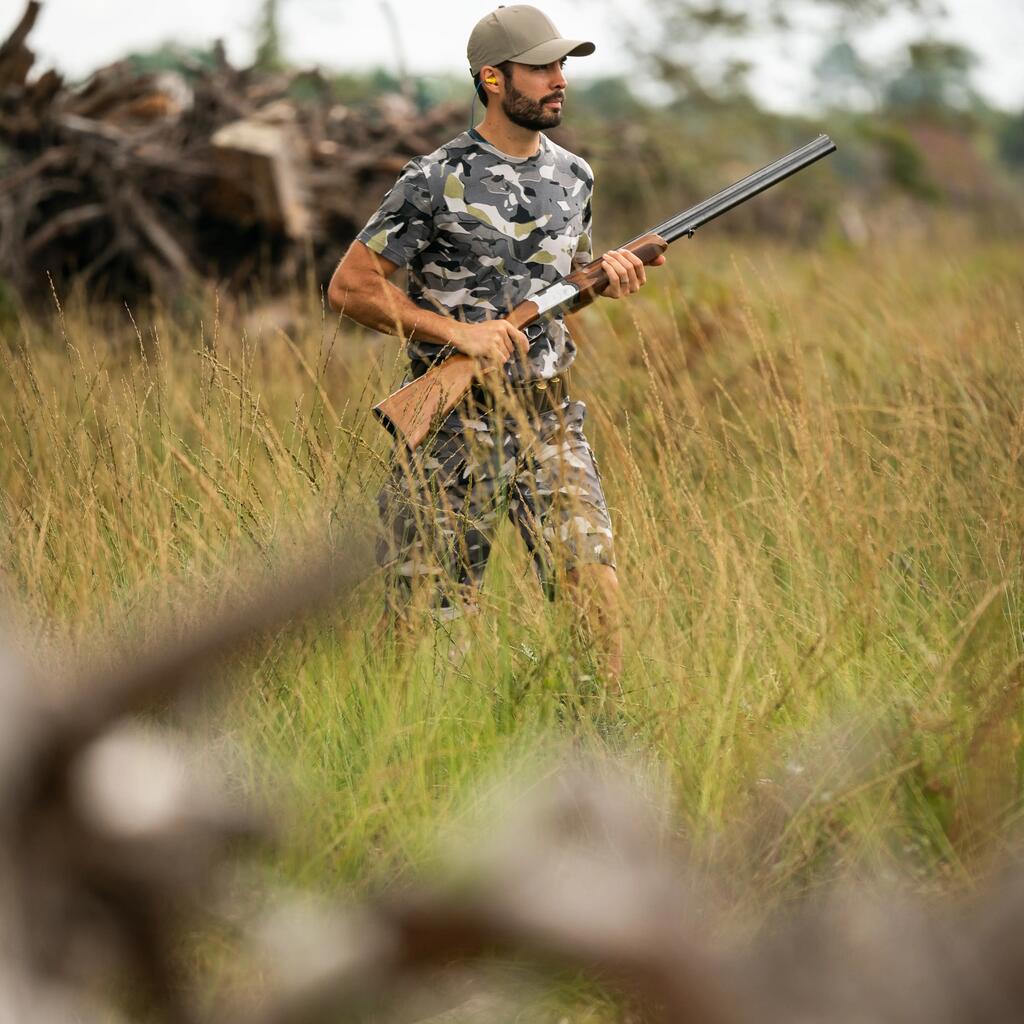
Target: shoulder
x,y
432,170
452,153
570,163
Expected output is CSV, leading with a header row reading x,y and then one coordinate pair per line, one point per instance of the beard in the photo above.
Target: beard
x,y
527,113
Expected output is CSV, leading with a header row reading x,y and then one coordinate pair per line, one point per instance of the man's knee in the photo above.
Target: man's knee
x,y
595,582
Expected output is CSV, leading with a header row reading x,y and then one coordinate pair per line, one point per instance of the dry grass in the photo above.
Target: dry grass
x,y
814,468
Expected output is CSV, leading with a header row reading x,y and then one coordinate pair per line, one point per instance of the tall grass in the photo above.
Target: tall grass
x,y
814,469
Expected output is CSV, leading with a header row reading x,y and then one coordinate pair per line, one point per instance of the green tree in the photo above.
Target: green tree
x,y
610,97
172,56
269,56
705,49
935,80
1011,140
845,81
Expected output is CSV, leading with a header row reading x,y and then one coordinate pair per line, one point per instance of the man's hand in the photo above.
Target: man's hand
x,y
490,343
626,273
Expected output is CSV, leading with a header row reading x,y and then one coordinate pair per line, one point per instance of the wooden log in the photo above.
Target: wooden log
x,y
260,175
56,156
159,237
86,126
64,223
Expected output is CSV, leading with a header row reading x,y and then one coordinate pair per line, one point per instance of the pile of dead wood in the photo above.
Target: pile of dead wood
x,y
139,184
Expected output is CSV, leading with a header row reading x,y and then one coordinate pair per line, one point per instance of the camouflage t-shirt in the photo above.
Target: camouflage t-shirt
x,y
480,231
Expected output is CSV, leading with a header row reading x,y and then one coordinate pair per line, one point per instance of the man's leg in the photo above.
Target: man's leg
x,y
437,512
559,506
594,592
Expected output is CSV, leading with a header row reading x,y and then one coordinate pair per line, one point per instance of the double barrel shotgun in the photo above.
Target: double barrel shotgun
x,y
413,410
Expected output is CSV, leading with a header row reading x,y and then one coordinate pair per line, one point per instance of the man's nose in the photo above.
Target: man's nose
x,y
558,78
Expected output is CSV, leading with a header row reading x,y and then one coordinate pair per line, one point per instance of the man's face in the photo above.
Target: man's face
x,y
534,94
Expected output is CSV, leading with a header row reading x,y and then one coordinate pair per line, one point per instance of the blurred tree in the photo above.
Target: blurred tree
x,y
1011,140
446,88
905,165
406,83
694,53
704,49
845,81
268,37
609,97
936,80
174,57
358,88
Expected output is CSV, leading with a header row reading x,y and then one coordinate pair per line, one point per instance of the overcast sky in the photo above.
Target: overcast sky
x,y
77,36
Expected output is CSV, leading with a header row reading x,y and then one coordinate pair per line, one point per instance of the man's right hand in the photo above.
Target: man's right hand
x,y
491,343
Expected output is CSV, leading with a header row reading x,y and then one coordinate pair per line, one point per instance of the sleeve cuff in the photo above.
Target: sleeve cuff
x,y
396,256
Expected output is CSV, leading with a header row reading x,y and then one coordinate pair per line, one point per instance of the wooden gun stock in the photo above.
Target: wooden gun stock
x,y
411,412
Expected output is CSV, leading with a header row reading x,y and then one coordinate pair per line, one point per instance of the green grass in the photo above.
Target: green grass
x,y
813,463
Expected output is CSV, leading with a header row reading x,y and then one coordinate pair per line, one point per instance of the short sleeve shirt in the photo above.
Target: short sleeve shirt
x,y
481,231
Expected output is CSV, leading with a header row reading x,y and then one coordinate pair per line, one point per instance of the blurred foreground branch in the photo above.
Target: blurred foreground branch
x,y
113,845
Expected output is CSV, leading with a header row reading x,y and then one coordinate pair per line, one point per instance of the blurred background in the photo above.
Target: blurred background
x,y
256,137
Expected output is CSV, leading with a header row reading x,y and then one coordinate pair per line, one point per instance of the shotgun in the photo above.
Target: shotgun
x,y
411,412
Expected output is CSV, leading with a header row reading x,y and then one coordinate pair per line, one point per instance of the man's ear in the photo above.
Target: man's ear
x,y
490,77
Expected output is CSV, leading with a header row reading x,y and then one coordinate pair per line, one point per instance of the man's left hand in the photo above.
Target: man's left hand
x,y
626,273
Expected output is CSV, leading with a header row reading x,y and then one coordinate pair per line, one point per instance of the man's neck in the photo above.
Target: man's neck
x,y
508,137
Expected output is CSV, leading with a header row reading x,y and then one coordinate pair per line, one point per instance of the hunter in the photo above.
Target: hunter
x,y
481,224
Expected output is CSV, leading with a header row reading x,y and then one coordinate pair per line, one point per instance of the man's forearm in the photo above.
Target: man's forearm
x,y
380,305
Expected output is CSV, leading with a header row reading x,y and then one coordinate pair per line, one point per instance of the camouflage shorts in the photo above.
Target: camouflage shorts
x,y
441,505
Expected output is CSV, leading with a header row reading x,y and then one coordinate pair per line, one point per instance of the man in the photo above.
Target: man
x,y
481,224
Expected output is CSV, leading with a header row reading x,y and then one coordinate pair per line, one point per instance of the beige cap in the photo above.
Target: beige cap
x,y
520,33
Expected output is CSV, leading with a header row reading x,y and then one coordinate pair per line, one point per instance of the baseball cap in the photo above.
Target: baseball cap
x,y
521,33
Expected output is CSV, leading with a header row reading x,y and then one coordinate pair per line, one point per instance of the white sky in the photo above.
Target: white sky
x,y
77,36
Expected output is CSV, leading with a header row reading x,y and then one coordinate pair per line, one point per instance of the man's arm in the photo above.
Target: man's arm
x,y
625,269
360,289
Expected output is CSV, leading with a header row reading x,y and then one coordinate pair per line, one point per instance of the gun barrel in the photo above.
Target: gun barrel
x,y
688,221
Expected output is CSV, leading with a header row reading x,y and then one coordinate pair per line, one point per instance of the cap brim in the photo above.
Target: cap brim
x,y
554,49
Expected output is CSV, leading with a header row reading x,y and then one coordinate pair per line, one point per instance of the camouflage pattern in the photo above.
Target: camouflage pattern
x,y
444,501
481,231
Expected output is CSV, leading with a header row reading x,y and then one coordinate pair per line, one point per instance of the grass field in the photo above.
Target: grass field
x,y
814,465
